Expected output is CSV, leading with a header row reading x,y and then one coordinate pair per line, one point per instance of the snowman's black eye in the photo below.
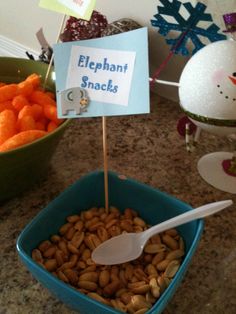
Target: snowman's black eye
x,y
234,74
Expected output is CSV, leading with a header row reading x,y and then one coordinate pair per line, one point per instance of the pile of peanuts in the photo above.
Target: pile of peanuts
x,y
131,287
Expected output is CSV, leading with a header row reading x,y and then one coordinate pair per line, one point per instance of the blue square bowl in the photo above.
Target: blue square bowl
x,y
151,204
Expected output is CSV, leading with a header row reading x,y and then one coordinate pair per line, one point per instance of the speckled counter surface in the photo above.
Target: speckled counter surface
x,y
149,149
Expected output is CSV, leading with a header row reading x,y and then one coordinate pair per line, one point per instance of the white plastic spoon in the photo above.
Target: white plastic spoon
x,y
129,246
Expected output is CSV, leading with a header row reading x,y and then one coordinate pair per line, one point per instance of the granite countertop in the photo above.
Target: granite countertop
x,y
149,149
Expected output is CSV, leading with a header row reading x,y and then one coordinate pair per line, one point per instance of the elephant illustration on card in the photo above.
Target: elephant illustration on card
x,y
73,99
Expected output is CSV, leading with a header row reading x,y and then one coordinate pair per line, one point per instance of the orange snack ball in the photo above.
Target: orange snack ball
x,y
25,111
37,111
41,124
21,139
34,79
8,92
25,88
50,112
26,123
51,95
51,126
6,105
19,102
41,98
7,125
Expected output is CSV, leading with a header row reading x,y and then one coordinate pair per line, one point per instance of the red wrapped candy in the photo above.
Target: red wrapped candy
x,y
79,29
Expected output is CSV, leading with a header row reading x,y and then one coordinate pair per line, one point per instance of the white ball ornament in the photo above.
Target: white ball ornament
x,y
207,89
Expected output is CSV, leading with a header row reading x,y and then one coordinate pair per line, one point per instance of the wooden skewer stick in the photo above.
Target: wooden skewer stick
x,y
51,61
105,163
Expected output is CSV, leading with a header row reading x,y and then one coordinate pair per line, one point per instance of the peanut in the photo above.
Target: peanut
x,y
97,297
63,247
154,248
139,302
140,274
55,238
151,270
126,225
142,311
88,285
162,265
77,239
172,232
73,218
72,276
110,217
128,213
104,278
141,289
158,258
44,246
49,253
175,254
117,304
102,234
88,269
62,276
139,222
86,254
111,288
170,242
95,226
79,225
126,297
65,228
37,256
59,257
156,239
51,264
88,214
114,231
72,248
155,289
161,283
171,269
131,287
70,233
89,276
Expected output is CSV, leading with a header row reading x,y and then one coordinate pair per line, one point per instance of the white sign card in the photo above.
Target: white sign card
x,y
105,74
78,6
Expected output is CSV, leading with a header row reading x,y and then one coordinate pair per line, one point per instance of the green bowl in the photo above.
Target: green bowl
x,y
21,168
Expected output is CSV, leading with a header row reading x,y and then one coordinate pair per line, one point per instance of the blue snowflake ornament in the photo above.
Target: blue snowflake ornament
x,y
187,27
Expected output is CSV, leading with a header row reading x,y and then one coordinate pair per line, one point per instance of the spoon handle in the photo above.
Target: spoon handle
x,y
199,212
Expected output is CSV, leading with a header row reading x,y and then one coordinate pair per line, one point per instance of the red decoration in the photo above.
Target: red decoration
x,y
227,164
181,126
79,29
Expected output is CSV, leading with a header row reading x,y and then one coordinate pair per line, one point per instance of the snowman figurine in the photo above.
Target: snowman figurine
x,y
207,92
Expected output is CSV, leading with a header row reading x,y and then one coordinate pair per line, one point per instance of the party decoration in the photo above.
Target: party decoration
x,y
230,22
82,8
120,26
208,89
181,126
229,166
207,95
77,8
79,29
74,99
188,28
112,71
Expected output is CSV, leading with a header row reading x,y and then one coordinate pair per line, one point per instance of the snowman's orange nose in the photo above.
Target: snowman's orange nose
x,y
233,79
